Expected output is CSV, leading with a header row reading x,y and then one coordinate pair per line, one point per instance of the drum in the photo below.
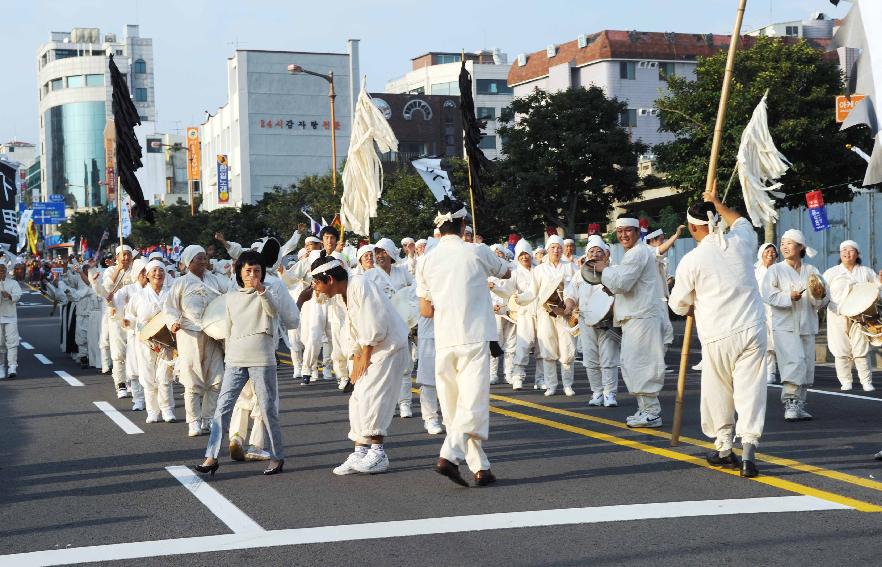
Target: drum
x,y
214,319
863,306
156,333
599,308
405,302
589,274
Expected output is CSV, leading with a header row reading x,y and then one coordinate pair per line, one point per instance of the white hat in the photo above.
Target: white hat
x,y
539,248
313,256
363,250
123,248
851,243
421,241
568,241
154,264
155,256
596,241
627,222
312,240
797,236
762,249
407,240
654,234
190,252
495,247
469,230
522,246
138,266
389,246
552,240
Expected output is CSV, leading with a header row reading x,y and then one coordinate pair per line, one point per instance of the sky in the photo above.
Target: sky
x,y
192,39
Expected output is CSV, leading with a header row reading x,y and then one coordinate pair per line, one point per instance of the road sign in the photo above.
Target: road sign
x,y
844,105
46,212
56,198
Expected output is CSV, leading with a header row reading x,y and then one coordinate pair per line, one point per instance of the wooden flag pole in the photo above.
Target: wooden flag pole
x,y
119,209
709,186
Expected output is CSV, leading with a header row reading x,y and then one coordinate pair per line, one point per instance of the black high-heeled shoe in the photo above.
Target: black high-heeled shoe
x,y
276,469
210,469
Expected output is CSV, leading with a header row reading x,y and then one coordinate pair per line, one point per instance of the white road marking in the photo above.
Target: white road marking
x,y
118,418
26,346
42,358
226,511
421,527
68,378
840,394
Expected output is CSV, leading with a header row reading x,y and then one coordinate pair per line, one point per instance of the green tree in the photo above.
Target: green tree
x,y
802,84
567,159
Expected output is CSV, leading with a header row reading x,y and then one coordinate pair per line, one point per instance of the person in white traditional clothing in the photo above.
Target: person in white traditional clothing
x,y
500,292
295,343
601,343
364,259
10,293
121,301
115,278
379,351
796,292
408,249
635,281
97,357
154,361
252,313
716,282
392,278
420,246
556,342
430,409
766,256
79,288
200,363
850,347
656,239
452,287
569,251
524,293
539,254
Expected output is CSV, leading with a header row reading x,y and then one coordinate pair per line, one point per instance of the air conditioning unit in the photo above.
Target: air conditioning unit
x,y
654,112
110,38
522,59
551,50
642,111
652,64
642,64
583,41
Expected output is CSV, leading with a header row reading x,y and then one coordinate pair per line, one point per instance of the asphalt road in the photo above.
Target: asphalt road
x,y
576,487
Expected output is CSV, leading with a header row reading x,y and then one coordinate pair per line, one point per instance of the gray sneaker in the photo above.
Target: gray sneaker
x,y
791,410
803,415
374,462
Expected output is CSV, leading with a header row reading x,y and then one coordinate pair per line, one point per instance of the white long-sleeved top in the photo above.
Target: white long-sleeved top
x,y
8,311
398,278
800,317
524,285
371,319
635,283
721,284
189,296
581,293
454,278
112,280
858,274
143,305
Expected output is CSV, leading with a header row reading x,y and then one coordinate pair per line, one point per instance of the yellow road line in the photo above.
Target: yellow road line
x,y
677,456
780,461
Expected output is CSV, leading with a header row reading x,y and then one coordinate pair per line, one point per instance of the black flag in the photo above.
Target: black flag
x,y
128,150
8,190
472,127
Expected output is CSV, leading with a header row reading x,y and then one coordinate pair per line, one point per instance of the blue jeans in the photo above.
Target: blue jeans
x,y
265,388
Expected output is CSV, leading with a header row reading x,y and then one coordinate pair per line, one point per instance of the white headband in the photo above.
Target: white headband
x,y
711,223
448,217
852,243
656,233
626,222
325,267
123,248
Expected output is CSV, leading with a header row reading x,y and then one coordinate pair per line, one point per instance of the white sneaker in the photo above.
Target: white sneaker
x,y
770,379
315,376
494,380
539,385
517,384
508,379
348,466
168,416
609,400
697,366
568,391
257,454
326,374
791,411
122,393
634,417
374,462
800,410
138,405
433,427
152,417
596,400
867,387
343,383
195,429
206,425
405,410
846,387
646,420
13,370
551,391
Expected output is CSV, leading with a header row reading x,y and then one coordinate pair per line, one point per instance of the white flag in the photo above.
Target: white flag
x,y
125,224
23,222
436,178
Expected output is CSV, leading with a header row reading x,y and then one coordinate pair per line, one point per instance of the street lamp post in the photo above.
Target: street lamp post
x,y
296,70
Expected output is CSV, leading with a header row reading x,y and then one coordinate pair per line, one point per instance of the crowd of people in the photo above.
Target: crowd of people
x,y
460,314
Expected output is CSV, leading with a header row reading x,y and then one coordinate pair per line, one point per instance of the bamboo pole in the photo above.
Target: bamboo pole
x,y
710,186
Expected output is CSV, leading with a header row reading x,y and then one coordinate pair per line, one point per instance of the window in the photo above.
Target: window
x,y
418,90
665,70
627,70
486,113
140,95
94,80
56,84
487,143
628,118
119,52
139,66
65,53
492,87
441,59
451,88
75,81
791,31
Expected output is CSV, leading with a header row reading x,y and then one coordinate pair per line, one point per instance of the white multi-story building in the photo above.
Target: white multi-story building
x,y
275,128
23,152
437,73
75,96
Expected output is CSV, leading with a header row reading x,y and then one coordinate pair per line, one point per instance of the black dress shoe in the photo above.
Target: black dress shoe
x,y
451,471
484,478
748,469
276,469
210,469
305,380
730,461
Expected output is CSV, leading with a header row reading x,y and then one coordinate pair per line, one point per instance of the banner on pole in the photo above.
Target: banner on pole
x,y
194,157
817,210
223,179
110,160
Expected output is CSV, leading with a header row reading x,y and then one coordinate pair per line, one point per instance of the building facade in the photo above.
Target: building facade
x,y
437,73
75,102
425,125
275,128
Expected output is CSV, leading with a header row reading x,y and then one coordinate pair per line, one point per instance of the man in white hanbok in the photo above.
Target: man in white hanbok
x,y
10,293
850,347
524,293
113,279
500,292
635,282
716,281
795,305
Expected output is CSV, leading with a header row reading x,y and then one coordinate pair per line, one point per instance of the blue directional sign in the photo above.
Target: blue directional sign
x,y
46,212
56,198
